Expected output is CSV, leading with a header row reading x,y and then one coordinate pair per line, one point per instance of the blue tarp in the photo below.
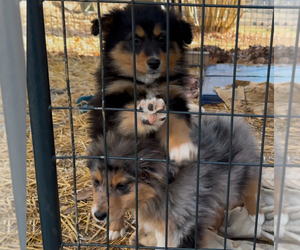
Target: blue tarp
x,y
222,74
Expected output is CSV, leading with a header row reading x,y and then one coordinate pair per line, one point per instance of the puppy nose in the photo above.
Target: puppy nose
x,y
153,63
100,215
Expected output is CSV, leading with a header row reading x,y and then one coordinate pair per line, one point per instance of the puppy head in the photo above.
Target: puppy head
x,y
150,41
121,174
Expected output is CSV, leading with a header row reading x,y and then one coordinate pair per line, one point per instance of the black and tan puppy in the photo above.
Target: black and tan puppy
x,y
151,71
215,143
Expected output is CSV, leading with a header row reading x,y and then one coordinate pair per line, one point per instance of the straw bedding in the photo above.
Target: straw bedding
x,y
82,83
81,70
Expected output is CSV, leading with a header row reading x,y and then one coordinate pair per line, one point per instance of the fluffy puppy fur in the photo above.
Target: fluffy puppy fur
x,y
215,140
151,66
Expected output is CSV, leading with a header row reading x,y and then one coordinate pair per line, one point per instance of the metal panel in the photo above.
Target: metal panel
x,y
42,127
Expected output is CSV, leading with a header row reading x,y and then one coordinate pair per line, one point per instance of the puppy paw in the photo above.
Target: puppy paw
x,y
284,219
149,116
114,235
184,152
145,239
260,220
117,229
152,105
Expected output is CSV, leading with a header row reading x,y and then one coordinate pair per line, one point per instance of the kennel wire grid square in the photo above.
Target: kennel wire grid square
x,y
42,126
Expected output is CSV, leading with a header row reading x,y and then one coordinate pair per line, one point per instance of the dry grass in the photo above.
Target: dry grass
x,y
82,83
83,52
81,71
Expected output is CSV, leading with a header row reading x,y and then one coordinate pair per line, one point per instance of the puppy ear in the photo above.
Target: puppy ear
x,y
186,32
145,176
173,171
95,27
95,147
149,173
107,21
89,151
160,175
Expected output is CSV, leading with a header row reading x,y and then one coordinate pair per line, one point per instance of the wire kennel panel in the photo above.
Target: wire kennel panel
x,y
41,111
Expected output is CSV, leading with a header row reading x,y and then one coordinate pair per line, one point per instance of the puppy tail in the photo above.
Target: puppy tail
x,y
95,27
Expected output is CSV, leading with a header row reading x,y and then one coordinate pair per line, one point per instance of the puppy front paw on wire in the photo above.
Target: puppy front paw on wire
x,y
149,116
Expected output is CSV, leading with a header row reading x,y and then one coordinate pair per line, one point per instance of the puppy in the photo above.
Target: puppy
x,y
151,66
152,179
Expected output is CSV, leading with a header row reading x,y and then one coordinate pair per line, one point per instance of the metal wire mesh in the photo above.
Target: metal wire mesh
x,y
263,8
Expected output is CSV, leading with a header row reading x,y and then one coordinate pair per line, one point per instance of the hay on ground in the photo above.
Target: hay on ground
x,y
81,71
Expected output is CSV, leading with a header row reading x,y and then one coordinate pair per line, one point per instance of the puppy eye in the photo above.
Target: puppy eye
x,y
96,182
121,187
137,40
162,39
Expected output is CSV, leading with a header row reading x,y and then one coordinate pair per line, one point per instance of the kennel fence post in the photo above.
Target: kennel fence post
x,y
12,81
42,126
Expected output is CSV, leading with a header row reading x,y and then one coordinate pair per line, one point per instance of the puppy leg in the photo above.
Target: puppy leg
x,y
117,229
180,145
160,239
218,220
174,237
250,201
145,239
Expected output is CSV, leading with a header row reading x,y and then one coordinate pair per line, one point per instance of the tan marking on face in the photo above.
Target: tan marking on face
x,y
118,178
139,31
98,176
141,62
120,203
157,30
123,60
99,197
117,209
127,202
146,192
174,57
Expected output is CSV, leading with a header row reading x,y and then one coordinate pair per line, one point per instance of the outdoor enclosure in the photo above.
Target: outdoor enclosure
x,y
235,41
